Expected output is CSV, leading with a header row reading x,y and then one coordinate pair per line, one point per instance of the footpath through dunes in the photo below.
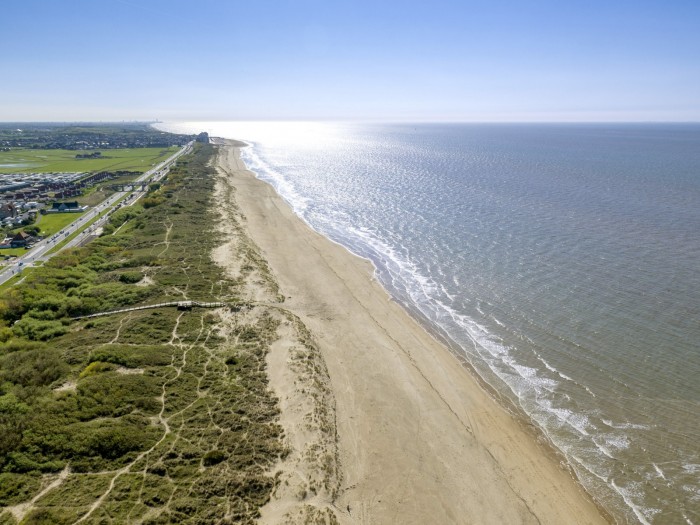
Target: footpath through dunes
x,y
418,440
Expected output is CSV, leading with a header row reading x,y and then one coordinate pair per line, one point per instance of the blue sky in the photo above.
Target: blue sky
x,y
613,60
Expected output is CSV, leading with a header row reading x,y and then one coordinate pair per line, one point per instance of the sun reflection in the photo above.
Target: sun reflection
x,y
294,134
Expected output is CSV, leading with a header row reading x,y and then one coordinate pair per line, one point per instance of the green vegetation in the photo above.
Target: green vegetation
x,y
7,285
28,160
61,243
155,416
54,222
12,251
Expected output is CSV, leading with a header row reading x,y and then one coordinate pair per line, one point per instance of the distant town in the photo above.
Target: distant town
x,y
26,196
86,137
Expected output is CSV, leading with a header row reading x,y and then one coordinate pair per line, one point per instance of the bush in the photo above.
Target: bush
x,y
96,367
38,367
151,202
113,395
16,488
122,215
130,277
12,423
5,334
38,330
20,345
213,457
131,356
12,305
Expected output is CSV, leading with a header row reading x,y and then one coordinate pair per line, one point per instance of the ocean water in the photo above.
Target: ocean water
x,y
562,262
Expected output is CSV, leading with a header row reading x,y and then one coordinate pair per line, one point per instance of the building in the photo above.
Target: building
x,y
66,207
7,209
21,239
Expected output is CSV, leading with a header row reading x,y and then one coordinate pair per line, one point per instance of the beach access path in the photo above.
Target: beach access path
x,y
420,441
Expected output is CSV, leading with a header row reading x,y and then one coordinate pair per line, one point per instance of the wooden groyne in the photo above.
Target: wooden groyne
x,y
180,305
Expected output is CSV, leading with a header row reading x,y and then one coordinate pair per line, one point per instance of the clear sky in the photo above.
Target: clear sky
x,y
491,60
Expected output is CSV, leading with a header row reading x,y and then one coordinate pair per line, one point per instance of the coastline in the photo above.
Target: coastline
x,y
418,439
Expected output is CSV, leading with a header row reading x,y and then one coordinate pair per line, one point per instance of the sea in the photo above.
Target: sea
x,y
561,262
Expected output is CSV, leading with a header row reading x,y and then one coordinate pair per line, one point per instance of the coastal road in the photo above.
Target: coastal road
x,y
39,251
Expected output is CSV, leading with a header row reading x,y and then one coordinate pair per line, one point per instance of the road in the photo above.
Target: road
x,y
39,251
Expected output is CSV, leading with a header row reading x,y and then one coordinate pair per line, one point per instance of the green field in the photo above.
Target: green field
x,y
55,222
12,251
64,161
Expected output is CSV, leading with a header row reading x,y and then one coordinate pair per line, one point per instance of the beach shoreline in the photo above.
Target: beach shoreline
x,y
419,438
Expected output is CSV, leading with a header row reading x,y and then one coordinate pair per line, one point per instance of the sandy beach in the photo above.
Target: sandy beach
x,y
415,438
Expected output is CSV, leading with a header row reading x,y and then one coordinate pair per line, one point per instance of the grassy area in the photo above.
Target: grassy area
x,y
4,287
64,161
55,222
156,416
12,251
61,243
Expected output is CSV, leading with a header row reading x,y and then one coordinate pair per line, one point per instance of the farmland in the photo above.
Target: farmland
x,y
23,160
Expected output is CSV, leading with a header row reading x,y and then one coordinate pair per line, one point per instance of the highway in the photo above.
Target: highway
x,y
39,251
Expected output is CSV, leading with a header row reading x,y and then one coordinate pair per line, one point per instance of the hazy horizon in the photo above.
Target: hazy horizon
x,y
358,121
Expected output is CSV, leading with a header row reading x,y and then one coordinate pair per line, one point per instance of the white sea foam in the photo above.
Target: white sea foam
x,y
281,184
499,323
644,514
552,369
691,468
625,426
605,450
609,444
579,422
659,471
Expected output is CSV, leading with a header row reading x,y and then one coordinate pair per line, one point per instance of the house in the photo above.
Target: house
x,y
21,239
66,207
7,209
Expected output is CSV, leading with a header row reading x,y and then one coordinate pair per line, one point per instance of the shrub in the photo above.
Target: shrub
x,y
122,215
16,488
5,334
38,367
130,277
151,202
38,330
213,457
12,423
133,356
19,345
96,367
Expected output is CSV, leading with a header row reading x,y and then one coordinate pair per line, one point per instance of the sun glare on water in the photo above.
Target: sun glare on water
x,y
295,134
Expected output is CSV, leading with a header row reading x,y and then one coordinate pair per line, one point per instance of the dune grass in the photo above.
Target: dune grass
x,y
156,416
